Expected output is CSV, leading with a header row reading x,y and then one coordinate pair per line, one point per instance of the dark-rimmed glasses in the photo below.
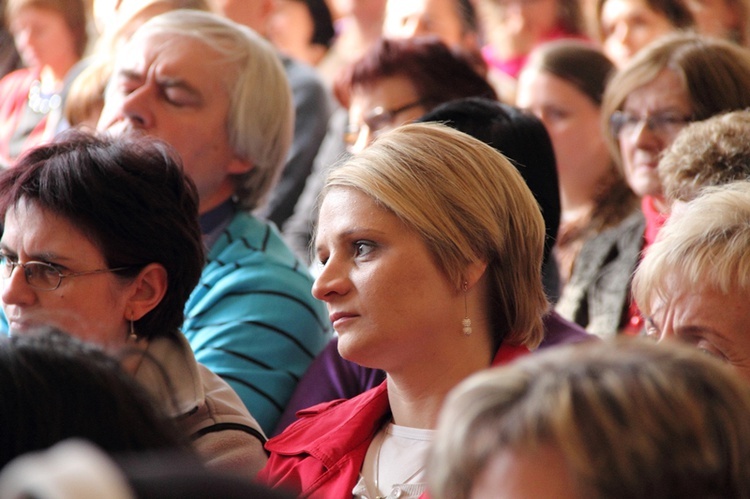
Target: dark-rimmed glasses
x,y
43,276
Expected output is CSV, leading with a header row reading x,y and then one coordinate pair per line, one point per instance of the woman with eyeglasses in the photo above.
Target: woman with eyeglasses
x,y
677,79
395,82
101,240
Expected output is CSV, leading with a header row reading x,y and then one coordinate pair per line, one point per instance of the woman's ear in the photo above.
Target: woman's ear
x,y
472,273
149,288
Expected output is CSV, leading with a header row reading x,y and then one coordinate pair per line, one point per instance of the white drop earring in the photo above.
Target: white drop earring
x,y
466,322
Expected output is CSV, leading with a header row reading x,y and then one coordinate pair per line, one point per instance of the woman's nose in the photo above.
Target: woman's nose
x,y
331,281
15,289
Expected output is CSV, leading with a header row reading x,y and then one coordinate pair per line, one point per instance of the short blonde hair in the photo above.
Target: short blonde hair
x,y
711,152
705,245
631,419
469,204
703,64
260,123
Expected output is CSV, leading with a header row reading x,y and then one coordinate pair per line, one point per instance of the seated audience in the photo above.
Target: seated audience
x,y
693,284
251,319
101,240
563,83
609,419
668,85
424,282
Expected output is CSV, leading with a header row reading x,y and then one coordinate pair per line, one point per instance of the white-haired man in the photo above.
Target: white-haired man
x,y
217,93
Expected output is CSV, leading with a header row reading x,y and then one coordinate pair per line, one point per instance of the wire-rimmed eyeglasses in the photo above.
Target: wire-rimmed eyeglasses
x,y
665,123
378,119
43,276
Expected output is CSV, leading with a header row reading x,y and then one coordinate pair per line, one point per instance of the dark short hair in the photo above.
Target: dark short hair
x,y
323,30
438,73
54,387
130,197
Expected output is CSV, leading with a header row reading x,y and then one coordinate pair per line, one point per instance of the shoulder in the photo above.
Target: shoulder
x,y
331,423
253,247
22,76
14,87
627,236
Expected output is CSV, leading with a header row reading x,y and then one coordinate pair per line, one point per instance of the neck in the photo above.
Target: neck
x,y
660,204
416,394
574,209
55,73
367,20
577,192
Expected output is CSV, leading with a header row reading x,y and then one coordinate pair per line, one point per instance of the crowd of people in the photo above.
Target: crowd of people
x,y
374,248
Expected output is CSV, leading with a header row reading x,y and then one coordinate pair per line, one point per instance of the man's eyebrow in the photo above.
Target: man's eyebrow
x,y
130,74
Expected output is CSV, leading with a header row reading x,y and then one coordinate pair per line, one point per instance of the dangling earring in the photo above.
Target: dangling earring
x,y
466,322
132,336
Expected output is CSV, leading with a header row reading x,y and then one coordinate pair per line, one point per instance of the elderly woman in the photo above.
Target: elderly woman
x,y
51,37
602,420
694,282
431,247
102,241
673,82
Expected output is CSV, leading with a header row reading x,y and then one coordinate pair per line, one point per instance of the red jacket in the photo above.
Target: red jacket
x,y
321,454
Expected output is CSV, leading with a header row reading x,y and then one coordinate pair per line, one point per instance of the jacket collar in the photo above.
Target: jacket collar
x,y
331,430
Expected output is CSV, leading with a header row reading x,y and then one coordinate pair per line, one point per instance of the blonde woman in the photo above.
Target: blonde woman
x,y
430,247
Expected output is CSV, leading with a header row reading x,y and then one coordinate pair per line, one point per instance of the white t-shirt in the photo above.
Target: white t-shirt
x,y
394,466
